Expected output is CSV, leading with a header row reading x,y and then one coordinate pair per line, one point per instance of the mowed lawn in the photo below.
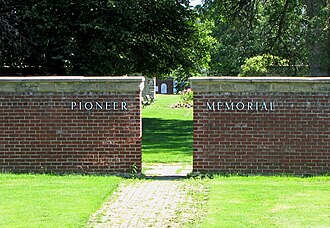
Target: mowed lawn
x,y
266,201
50,200
167,132
253,201
42,200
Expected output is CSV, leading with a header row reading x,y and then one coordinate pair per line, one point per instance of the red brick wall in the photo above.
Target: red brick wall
x,y
39,132
294,137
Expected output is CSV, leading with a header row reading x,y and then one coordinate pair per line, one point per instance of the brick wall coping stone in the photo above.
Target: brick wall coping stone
x,y
71,84
261,84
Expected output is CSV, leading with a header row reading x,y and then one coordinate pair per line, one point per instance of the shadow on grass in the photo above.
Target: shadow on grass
x,y
167,138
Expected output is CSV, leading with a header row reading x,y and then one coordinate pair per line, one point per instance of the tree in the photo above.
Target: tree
x,y
318,38
248,28
258,65
198,53
104,37
12,42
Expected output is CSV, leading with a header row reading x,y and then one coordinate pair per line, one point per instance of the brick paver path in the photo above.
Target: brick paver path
x,y
148,203
155,203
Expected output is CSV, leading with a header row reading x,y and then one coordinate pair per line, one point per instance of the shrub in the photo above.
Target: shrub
x,y
187,96
257,65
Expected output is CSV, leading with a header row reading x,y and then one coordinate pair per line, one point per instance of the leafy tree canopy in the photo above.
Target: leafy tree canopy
x,y
160,37
99,37
284,28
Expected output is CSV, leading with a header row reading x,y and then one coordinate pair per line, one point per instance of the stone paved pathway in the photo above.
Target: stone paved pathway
x,y
162,202
168,170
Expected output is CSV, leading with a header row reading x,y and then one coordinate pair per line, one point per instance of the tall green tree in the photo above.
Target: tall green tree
x,y
104,37
318,37
12,41
283,28
198,53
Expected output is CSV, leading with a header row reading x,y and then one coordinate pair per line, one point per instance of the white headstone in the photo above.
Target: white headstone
x,y
163,88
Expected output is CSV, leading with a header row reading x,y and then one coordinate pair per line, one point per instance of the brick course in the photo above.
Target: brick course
x,y
40,132
294,137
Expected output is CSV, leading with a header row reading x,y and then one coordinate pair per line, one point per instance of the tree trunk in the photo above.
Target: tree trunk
x,y
318,40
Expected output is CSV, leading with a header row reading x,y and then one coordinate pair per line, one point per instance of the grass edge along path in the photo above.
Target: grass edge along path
x,y
52,201
268,201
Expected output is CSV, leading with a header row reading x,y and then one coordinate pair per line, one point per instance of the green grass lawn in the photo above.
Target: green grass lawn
x,y
268,202
167,132
52,201
254,201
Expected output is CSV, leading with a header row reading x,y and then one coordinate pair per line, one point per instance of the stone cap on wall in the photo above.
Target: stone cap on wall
x,y
71,84
260,84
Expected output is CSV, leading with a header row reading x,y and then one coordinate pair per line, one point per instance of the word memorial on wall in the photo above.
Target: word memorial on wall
x,y
261,125
240,106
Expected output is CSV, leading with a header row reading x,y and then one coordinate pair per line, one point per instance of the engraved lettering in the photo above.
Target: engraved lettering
x,y
240,106
124,106
229,105
264,106
107,105
219,105
210,107
98,106
73,105
250,104
88,106
115,105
